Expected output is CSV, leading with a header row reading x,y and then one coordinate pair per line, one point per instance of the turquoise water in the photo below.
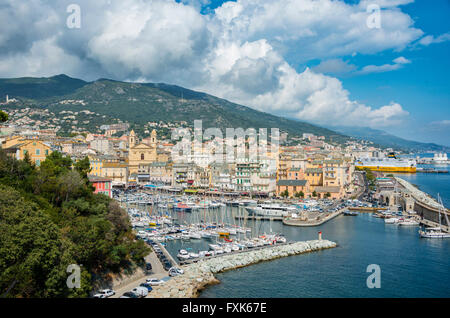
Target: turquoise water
x,y
410,266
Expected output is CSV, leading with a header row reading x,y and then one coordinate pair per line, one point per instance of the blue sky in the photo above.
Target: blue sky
x,y
422,87
317,61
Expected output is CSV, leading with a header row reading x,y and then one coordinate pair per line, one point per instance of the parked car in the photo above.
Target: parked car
x,y
175,271
154,281
140,291
105,293
146,285
129,295
148,267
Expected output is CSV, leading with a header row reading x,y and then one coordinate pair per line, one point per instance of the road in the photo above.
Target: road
x,y
362,180
157,272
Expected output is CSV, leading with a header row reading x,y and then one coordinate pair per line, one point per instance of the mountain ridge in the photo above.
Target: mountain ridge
x,y
143,102
139,103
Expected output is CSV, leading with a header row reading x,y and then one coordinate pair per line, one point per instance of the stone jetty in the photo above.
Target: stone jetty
x,y
201,274
308,222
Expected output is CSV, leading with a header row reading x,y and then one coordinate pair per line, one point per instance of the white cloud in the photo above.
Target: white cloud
x,y
429,39
398,63
401,60
238,52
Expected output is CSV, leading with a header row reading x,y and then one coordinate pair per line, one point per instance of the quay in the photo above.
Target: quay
x,y
167,254
366,209
425,206
431,170
261,217
308,222
429,223
201,274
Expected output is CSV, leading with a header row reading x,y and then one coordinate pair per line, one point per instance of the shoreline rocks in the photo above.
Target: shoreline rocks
x,y
199,275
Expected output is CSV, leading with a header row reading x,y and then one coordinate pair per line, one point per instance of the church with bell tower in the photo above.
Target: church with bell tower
x,y
141,153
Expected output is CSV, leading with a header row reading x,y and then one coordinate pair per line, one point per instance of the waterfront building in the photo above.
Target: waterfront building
x,y
101,185
117,172
293,187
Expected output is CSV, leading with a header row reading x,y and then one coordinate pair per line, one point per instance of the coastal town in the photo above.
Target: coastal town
x,y
310,168
302,182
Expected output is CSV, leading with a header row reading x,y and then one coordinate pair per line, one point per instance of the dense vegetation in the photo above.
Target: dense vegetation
x,y
50,218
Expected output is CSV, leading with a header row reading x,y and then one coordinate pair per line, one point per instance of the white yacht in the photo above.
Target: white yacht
x,y
391,220
271,210
183,254
436,232
408,222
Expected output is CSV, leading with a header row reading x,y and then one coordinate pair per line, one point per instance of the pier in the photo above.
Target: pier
x,y
309,222
259,217
425,206
167,254
366,209
201,274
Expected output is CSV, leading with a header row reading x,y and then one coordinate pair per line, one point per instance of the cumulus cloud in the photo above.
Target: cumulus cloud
x,y
238,52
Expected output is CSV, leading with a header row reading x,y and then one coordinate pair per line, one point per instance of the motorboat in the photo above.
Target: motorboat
x,y
182,207
185,236
391,220
193,255
275,210
183,255
195,235
435,232
408,222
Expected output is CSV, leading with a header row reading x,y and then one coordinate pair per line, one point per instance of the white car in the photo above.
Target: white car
x,y
175,271
105,293
140,291
154,281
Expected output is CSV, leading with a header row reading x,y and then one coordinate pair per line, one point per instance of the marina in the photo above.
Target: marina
x,y
220,231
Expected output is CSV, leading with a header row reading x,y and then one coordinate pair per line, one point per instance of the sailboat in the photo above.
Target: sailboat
x,y
436,232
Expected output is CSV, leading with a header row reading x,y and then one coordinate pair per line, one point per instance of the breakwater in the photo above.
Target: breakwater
x,y
201,274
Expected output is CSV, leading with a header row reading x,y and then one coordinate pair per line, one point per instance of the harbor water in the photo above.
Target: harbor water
x,y
410,266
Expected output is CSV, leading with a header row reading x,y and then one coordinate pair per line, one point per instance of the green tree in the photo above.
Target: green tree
x,y
3,116
300,194
327,195
285,193
83,167
50,218
314,194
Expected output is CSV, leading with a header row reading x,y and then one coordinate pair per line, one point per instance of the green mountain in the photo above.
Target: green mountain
x,y
139,103
386,140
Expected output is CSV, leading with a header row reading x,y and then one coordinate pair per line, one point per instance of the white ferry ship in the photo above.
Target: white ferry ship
x,y
388,164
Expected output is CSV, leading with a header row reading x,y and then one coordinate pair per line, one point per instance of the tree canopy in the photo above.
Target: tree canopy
x,y
50,218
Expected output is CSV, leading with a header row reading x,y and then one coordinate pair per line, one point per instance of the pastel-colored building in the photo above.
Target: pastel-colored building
x,y
101,185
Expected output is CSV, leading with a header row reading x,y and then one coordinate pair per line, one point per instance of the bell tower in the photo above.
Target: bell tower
x,y
131,139
153,138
